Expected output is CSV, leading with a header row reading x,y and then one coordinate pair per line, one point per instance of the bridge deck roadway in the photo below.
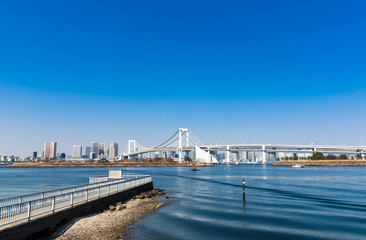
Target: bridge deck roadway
x,y
266,148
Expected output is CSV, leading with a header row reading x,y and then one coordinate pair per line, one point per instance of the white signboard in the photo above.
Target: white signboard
x,y
114,173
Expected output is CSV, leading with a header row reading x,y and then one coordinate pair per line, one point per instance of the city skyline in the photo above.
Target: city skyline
x,y
50,151
232,72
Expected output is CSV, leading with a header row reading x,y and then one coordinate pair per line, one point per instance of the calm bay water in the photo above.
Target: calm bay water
x,y
281,202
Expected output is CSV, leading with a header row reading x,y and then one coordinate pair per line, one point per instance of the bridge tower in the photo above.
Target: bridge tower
x,y
133,144
182,131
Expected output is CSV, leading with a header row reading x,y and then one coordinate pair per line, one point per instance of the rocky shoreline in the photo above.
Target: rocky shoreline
x,y
111,223
323,163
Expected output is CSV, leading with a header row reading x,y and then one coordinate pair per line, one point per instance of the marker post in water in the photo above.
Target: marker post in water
x,y
243,191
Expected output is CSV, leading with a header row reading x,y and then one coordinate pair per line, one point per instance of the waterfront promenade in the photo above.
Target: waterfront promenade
x,y
26,215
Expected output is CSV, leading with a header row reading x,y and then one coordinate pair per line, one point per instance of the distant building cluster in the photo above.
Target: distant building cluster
x,y
95,151
9,158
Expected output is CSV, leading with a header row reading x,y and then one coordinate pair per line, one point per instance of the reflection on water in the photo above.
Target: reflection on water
x,y
281,202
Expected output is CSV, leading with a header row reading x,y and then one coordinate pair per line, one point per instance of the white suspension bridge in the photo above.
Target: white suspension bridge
x,y
184,143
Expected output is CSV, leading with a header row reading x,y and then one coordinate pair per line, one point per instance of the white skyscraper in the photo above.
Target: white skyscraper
x,y
113,150
76,151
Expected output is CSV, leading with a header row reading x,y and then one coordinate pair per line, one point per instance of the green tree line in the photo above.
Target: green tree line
x,y
317,156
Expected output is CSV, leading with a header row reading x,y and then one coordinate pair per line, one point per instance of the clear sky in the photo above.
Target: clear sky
x,y
231,71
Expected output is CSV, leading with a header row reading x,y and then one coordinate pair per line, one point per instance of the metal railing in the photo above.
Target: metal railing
x,y
27,206
98,179
35,196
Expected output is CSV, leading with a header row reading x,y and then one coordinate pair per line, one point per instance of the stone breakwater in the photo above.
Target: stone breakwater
x,y
111,224
323,163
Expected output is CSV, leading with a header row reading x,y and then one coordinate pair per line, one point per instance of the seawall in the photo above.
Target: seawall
x,y
43,226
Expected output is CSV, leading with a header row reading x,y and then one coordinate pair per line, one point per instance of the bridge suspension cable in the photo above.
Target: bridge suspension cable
x,y
140,146
175,140
196,138
194,143
167,140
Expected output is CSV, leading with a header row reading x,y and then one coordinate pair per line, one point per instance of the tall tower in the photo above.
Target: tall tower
x,y
113,150
95,148
50,149
106,151
87,151
76,151
101,149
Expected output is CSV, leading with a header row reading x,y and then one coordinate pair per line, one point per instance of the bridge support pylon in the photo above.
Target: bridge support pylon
x,y
264,155
227,153
133,143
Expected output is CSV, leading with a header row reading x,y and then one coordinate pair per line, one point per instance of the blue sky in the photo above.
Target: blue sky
x,y
231,71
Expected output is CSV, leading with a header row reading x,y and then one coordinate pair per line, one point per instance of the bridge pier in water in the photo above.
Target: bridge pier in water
x,y
264,154
227,153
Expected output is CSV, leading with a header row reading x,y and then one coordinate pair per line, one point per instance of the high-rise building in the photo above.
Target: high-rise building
x,y
92,155
95,148
106,151
77,151
34,155
87,151
50,150
113,150
101,149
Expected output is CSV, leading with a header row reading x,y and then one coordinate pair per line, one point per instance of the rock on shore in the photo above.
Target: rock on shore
x,y
111,223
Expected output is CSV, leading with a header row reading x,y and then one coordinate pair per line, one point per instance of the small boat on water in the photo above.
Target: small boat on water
x,y
298,166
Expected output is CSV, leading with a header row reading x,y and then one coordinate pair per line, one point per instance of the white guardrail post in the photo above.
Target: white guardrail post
x,y
29,211
72,199
53,204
